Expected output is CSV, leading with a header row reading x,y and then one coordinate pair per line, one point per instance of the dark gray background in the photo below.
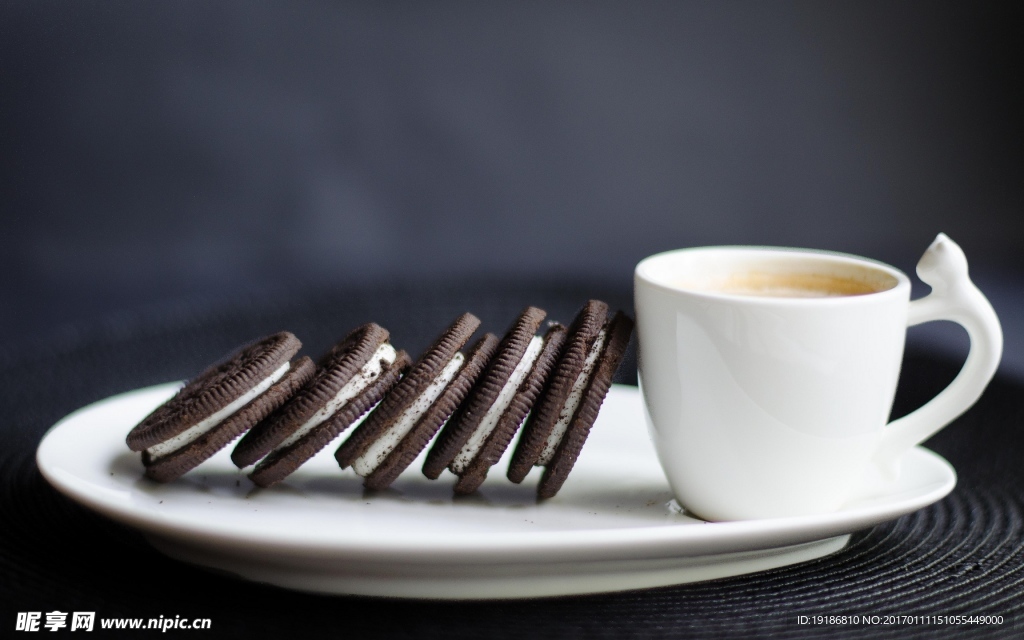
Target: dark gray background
x,y
153,153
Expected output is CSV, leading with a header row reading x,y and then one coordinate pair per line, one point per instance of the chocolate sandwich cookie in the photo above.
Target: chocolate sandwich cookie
x,y
394,433
350,379
218,405
475,438
559,425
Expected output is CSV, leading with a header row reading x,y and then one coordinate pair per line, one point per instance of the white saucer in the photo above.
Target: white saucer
x,y
613,526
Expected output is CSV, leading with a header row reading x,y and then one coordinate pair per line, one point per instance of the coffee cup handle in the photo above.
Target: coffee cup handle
x,y
953,297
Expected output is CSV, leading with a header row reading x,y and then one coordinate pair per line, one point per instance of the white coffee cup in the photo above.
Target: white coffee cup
x,y
763,403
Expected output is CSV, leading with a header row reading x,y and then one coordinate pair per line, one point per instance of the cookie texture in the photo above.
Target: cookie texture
x,y
581,336
441,410
335,369
494,447
280,463
214,388
175,464
557,470
412,385
462,425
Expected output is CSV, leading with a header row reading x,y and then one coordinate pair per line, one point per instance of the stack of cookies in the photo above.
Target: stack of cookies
x,y
290,408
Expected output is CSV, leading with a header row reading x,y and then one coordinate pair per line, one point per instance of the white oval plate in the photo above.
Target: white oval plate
x,y
613,526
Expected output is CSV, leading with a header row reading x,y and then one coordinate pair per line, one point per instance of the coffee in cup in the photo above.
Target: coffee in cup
x,y
786,285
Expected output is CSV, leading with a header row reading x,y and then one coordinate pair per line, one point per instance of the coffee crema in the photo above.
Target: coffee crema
x,y
785,285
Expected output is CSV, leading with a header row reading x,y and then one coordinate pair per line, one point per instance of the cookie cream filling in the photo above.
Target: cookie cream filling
x,y
384,355
572,402
490,420
365,464
188,436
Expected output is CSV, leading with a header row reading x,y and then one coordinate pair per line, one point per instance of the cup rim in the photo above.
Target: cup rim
x,y
641,273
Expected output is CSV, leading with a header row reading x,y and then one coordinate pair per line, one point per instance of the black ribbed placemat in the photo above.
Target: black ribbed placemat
x,y
962,556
